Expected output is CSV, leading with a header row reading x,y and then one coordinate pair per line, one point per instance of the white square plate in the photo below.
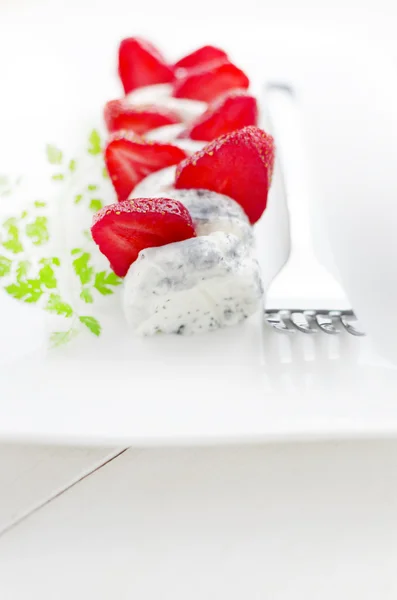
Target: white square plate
x,y
246,383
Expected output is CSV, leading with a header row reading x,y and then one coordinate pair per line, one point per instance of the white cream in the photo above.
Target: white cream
x,y
149,94
169,133
161,95
210,212
157,184
194,286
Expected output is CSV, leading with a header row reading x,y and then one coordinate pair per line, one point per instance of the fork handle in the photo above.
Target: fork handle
x,y
285,123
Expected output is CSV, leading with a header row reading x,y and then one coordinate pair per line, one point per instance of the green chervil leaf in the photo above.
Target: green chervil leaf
x,y
52,260
28,291
103,280
13,243
59,338
11,222
54,155
38,231
5,266
113,279
56,305
92,324
17,291
39,204
13,246
94,143
22,270
95,205
58,177
35,291
86,296
47,277
92,187
102,289
105,173
72,166
78,198
82,269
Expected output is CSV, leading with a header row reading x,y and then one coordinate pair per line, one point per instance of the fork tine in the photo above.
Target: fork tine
x,y
302,321
346,322
277,320
325,322
291,321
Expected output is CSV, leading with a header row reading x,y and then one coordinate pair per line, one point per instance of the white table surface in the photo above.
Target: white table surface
x,y
278,522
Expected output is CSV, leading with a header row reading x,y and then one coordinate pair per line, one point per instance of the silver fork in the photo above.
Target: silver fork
x,y
303,277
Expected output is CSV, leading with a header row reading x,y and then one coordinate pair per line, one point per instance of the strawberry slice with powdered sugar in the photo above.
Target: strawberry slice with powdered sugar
x,y
141,64
200,57
239,165
209,81
129,158
231,111
118,115
122,230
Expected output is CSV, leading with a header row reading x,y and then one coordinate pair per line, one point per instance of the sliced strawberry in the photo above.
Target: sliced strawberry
x,y
239,165
231,111
207,82
130,158
122,230
119,115
200,57
140,63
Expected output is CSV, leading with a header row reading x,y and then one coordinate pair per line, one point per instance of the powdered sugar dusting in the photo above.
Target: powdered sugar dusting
x,y
143,205
250,136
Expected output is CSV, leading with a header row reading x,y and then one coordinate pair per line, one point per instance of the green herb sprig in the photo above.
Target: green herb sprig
x,y
38,281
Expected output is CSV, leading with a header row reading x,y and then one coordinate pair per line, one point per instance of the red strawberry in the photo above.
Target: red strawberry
x,y
120,115
200,57
234,110
140,63
122,230
130,158
207,82
239,165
